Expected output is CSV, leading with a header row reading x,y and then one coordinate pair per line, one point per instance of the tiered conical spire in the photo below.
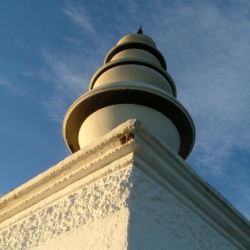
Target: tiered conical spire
x,y
132,84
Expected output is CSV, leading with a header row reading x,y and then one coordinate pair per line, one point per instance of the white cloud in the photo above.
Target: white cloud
x,y
27,73
10,87
4,83
79,15
69,76
18,135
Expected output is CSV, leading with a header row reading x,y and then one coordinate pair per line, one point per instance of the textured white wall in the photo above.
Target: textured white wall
x,y
125,210
101,199
160,221
105,233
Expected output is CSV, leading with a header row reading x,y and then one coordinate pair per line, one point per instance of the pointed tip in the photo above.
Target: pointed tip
x,y
139,31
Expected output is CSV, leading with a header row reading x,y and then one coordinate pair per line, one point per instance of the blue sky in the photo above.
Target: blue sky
x,y
50,49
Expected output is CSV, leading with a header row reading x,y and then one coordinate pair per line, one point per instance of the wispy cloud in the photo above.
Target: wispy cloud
x,y
88,20
79,16
217,82
69,76
18,135
27,73
10,87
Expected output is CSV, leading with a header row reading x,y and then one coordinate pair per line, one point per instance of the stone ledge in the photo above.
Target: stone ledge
x,y
84,162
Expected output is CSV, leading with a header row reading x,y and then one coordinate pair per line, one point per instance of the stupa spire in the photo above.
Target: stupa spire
x,y
132,84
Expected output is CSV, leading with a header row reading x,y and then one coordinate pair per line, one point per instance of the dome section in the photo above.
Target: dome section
x,y
136,71
104,120
173,115
136,46
137,38
136,54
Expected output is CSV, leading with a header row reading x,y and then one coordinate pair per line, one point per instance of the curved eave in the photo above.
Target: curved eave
x,y
129,61
135,93
136,45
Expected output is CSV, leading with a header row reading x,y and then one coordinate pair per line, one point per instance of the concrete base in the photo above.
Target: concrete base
x,y
125,210
130,196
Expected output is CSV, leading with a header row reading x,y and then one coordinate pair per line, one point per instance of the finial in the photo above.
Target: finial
x,y
139,31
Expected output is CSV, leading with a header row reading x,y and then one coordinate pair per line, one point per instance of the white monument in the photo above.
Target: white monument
x,y
126,185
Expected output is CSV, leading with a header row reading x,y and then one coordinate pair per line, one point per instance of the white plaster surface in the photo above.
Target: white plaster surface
x,y
125,210
137,37
136,53
160,221
104,233
106,119
91,203
136,73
